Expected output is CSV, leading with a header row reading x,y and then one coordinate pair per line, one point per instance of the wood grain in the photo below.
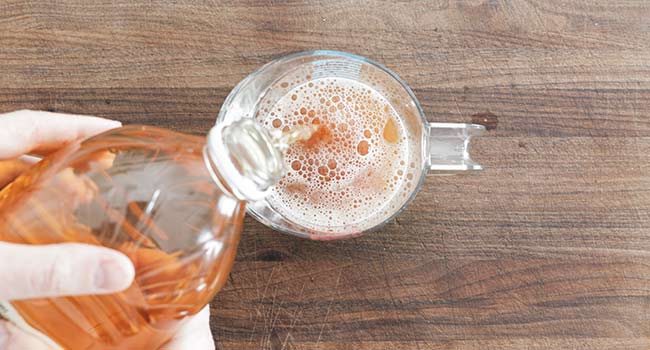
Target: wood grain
x,y
548,248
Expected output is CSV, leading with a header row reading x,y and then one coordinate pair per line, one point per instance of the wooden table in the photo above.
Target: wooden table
x,y
548,248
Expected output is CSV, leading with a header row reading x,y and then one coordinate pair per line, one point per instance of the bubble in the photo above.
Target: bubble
x,y
390,132
347,161
363,148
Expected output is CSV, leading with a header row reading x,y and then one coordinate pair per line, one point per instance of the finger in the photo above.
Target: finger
x,y
26,131
13,338
10,169
193,335
75,189
61,269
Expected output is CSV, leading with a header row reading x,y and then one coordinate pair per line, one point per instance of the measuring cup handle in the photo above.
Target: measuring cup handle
x,y
448,147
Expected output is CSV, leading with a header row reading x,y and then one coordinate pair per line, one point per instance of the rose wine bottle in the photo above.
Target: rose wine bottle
x,y
173,203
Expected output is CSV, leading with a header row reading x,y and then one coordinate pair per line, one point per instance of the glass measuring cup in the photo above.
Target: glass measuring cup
x,y
437,148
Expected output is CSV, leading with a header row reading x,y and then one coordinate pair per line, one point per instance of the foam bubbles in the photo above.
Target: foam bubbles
x,y
354,169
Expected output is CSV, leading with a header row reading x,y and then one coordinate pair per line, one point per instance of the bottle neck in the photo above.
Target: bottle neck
x,y
242,159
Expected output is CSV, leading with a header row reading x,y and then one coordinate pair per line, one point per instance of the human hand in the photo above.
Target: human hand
x,y
67,269
195,334
33,271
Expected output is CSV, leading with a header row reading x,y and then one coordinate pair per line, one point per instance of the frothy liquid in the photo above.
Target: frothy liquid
x,y
347,175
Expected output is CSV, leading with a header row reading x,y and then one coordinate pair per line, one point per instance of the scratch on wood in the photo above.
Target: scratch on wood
x,y
295,317
329,307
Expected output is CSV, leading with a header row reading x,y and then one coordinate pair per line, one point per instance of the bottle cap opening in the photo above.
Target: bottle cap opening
x,y
244,157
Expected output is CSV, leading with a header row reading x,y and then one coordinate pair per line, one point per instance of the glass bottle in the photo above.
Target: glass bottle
x,y
173,203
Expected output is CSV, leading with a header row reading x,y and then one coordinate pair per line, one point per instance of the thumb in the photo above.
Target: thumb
x,y
12,337
38,271
194,334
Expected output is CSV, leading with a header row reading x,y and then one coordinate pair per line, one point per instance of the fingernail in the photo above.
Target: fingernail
x,y
112,276
103,123
113,123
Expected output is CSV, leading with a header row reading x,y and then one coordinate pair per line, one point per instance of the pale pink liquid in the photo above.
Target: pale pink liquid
x,y
355,170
